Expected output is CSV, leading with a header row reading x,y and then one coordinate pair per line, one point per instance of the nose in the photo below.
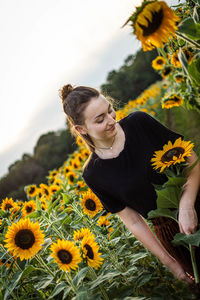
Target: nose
x,y
111,120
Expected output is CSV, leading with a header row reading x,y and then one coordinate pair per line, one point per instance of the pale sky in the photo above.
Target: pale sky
x,y
46,44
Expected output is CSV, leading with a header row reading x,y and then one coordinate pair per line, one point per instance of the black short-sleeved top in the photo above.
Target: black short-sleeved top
x,y
126,180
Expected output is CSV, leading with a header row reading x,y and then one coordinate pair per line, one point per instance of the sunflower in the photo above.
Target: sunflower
x,y
71,177
154,22
171,101
120,115
179,78
1,227
85,153
80,157
24,239
15,210
75,163
31,190
79,234
66,254
104,222
28,207
54,188
158,63
44,204
7,261
67,169
90,203
58,181
45,190
166,71
172,154
175,60
80,184
53,173
79,141
20,203
8,204
40,194
90,251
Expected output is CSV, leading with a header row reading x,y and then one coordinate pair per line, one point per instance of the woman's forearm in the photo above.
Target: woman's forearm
x,y
192,184
144,234
140,229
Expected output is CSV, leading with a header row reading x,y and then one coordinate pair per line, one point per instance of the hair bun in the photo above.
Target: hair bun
x,y
65,90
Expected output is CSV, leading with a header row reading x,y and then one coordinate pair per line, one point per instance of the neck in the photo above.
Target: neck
x,y
104,143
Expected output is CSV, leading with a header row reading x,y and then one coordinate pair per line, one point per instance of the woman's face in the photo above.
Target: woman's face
x,y
100,117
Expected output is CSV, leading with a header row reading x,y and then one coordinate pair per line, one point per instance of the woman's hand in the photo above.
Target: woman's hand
x,y
188,220
179,272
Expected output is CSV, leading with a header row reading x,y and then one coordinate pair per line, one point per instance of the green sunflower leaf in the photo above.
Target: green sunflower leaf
x,y
58,289
163,212
196,14
185,240
190,29
170,195
80,276
194,70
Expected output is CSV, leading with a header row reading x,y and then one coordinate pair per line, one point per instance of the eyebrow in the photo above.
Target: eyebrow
x,y
103,113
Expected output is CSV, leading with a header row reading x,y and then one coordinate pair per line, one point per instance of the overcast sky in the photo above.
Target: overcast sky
x,y
46,44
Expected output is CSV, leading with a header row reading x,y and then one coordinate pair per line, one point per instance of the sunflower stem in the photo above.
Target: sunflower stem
x,y
94,277
125,234
161,52
11,293
54,228
194,265
79,213
40,260
188,40
70,281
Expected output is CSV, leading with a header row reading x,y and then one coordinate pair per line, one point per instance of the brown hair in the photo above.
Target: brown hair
x,y
75,100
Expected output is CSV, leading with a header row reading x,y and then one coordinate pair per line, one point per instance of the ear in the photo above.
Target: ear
x,y
80,129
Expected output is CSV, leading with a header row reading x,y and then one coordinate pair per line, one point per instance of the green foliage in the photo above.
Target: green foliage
x,y
128,82
190,28
51,150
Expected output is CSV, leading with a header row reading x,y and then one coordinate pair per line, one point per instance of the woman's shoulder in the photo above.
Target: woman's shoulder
x,y
89,170
133,118
135,115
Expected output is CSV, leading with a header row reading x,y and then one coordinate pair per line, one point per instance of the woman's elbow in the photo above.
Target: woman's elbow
x,y
129,216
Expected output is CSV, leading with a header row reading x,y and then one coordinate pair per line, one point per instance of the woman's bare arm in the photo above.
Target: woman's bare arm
x,y
138,226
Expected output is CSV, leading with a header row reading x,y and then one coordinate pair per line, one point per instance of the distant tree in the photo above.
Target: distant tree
x,y
134,76
51,150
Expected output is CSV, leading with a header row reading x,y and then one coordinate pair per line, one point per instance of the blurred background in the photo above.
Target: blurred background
x,y
44,45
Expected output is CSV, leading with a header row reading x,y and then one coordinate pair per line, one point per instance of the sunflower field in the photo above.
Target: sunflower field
x,y
61,243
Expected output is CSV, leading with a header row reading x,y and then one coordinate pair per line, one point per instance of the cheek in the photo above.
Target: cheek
x,y
99,128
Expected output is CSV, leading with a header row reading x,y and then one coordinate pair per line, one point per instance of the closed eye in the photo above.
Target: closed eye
x,y
103,118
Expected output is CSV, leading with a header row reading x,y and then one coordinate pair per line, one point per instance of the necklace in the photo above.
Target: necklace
x,y
108,147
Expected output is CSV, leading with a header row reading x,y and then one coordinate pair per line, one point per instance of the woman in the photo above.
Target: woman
x,y
119,172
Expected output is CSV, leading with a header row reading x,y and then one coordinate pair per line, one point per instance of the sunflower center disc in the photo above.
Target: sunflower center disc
x,y
71,177
29,209
32,190
166,71
157,17
8,206
90,253
168,156
65,256
159,61
90,204
24,239
175,99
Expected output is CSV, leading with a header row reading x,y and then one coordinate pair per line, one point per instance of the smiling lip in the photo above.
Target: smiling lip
x,y
111,128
